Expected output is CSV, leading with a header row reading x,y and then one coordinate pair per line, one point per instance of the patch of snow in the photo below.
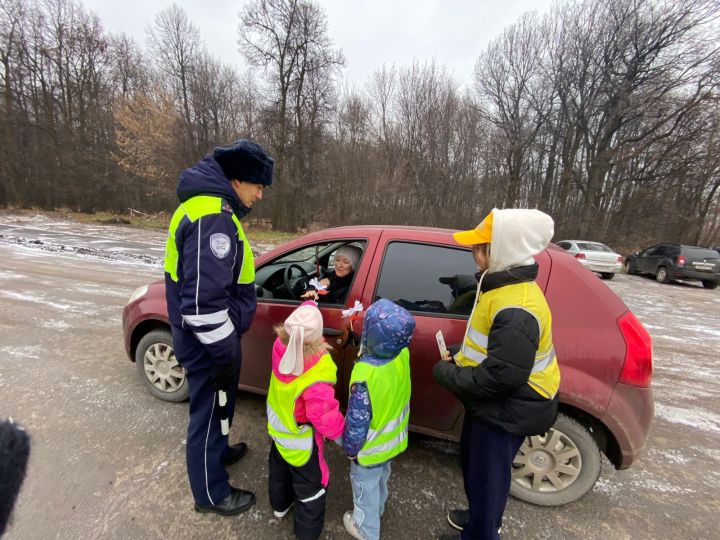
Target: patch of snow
x,y
697,418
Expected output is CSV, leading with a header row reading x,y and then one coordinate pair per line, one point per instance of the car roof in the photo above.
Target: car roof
x,y
359,228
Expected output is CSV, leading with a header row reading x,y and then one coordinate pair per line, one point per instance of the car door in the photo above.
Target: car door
x,y
257,342
435,282
644,261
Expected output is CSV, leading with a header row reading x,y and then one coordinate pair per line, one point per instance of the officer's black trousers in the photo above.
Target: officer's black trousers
x,y
301,486
486,454
206,444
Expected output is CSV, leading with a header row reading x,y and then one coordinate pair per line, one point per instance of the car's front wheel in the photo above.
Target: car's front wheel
x,y
558,467
155,360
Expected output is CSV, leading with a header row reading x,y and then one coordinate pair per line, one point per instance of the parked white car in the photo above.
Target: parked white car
x,y
594,256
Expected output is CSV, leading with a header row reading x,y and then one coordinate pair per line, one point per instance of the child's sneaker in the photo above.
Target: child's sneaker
x,y
350,527
283,513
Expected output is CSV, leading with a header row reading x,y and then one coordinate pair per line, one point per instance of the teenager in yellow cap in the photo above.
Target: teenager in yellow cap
x,y
506,373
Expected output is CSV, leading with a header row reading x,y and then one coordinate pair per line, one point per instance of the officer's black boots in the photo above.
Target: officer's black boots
x,y
236,502
234,454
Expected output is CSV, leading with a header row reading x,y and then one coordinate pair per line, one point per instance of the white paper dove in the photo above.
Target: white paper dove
x,y
315,282
357,308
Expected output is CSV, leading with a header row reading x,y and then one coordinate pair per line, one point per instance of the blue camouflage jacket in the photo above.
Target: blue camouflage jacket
x,y
387,330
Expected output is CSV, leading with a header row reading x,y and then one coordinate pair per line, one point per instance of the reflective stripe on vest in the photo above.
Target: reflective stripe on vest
x,y
389,388
545,375
195,208
295,443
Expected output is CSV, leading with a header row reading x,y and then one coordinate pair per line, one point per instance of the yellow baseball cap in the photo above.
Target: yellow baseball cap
x,y
482,234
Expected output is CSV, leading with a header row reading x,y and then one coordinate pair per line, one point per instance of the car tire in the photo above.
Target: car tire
x,y
709,284
558,467
662,275
630,268
158,368
607,275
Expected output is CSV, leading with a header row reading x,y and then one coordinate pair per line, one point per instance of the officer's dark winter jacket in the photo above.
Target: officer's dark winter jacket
x,y
208,278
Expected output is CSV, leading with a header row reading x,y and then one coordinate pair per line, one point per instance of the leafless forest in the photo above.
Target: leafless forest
x,y
605,114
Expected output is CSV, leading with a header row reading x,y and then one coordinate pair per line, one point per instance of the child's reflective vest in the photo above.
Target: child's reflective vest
x,y
545,376
295,443
389,389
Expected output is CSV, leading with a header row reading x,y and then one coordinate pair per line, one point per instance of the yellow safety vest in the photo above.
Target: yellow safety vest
x,y
389,389
195,208
295,443
545,376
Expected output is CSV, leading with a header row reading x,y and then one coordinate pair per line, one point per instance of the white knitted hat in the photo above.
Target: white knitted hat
x,y
303,324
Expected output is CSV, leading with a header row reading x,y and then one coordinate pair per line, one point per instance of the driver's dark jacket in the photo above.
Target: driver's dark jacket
x,y
208,284
337,289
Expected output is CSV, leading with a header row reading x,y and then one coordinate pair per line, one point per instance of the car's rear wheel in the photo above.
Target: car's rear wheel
x,y
662,276
607,275
709,284
630,268
558,467
155,360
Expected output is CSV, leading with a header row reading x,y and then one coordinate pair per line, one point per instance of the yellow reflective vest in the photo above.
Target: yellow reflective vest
x,y
195,208
295,443
545,376
389,390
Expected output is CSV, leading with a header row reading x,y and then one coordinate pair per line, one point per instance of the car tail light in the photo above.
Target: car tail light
x,y
620,258
637,367
681,261
580,256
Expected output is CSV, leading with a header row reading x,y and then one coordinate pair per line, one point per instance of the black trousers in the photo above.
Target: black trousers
x,y
299,485
486,454
206,445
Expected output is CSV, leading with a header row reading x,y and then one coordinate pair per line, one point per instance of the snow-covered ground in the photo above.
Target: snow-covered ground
x,y
116,455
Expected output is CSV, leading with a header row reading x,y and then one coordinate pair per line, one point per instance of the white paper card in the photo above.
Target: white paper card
x,y
441,344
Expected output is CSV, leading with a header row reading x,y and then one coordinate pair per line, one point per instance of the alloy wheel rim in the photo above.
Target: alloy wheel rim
x,y
547,463
162,369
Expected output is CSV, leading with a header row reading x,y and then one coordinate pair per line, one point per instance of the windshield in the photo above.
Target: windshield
x,y
587,246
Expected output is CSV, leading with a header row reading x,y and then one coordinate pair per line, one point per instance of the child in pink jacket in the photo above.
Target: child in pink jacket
x,y
302,413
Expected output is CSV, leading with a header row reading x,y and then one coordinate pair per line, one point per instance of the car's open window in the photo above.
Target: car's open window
x,y
428,278
287,277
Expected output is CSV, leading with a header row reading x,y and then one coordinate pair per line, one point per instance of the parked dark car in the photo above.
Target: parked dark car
x,y
670,262
605,354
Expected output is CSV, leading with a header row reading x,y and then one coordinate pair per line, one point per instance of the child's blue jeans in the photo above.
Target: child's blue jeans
x,y
369,486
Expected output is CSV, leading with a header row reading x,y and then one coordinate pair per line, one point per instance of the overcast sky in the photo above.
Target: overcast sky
x,y
370,32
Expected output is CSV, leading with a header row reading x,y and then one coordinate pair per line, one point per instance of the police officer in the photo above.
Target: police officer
x,y
209,280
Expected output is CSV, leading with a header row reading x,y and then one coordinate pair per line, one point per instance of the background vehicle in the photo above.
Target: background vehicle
x,y
668,262
605,354
594,256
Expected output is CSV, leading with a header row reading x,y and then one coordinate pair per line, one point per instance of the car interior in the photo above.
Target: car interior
x,y
288,276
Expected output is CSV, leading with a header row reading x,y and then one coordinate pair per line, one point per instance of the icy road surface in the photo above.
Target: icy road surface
x,y
108,459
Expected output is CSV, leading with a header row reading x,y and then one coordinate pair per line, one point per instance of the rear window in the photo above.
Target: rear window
x,y
700,253
428,278
586,246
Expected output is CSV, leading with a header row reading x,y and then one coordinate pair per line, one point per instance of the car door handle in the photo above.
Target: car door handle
x,y
332,332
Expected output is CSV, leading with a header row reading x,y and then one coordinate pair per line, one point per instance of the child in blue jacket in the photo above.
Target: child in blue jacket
x,y
376,425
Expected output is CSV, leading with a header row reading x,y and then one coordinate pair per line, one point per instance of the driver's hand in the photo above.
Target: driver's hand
x,y
312,293
325,281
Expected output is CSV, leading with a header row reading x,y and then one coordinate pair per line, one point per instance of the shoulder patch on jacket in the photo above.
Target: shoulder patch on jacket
x,y
220,245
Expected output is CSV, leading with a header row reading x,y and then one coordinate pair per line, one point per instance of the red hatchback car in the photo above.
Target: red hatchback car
x,y
605,354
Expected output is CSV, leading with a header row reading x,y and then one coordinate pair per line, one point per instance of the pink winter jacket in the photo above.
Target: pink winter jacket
x,y
316,405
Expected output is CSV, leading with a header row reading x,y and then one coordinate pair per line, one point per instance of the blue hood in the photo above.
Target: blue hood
x,y
207,178
387,330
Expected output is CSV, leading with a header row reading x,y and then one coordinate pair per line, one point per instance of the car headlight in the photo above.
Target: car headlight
x,y
139,292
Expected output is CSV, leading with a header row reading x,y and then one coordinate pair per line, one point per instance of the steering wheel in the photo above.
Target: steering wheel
x,y
287,275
